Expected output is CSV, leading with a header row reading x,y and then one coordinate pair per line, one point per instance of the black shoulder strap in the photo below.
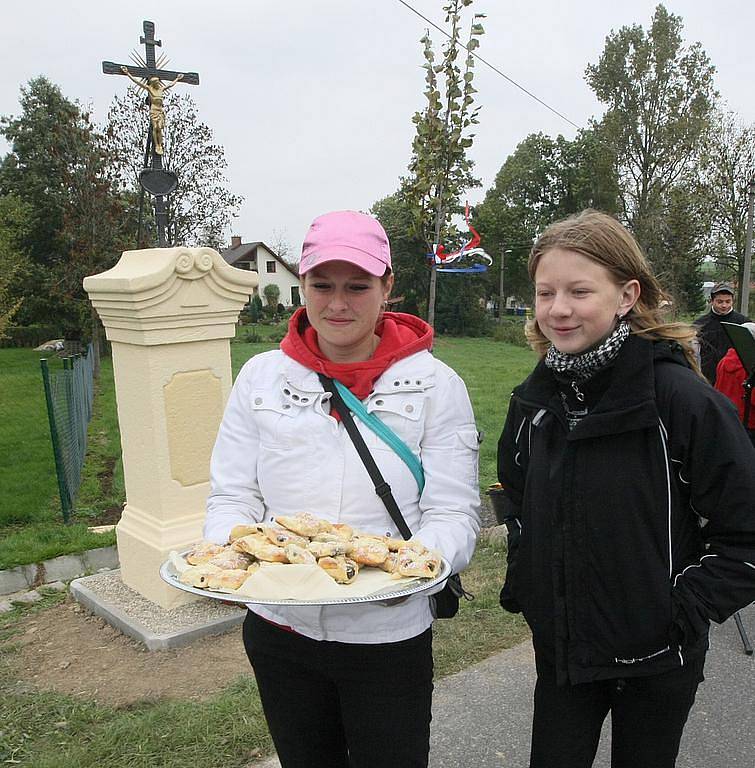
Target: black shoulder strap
x,y
382,489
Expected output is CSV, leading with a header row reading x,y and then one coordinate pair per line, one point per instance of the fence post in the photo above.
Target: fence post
x,y
65,501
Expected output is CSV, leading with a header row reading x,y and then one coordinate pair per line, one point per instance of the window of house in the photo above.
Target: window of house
x,y
269,267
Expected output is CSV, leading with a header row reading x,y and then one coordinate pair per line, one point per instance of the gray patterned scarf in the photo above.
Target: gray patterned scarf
x,y
582,367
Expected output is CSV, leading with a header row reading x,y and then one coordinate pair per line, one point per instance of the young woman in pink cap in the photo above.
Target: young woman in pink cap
x,y
347,685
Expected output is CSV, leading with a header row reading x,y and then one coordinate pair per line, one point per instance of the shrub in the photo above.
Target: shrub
x,y
511,331
30,335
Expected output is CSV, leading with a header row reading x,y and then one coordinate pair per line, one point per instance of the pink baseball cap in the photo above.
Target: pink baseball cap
x,y
346,236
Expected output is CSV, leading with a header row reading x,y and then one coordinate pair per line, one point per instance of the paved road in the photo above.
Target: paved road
x,y
481,716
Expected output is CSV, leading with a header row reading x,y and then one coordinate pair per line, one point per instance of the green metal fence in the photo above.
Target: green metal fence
x,y
69,396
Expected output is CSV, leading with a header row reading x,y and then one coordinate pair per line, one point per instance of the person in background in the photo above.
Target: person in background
x,y
630,504
711,337
347,686
730,379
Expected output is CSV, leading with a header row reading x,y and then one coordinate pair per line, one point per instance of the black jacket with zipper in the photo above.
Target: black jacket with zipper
x,y
628,534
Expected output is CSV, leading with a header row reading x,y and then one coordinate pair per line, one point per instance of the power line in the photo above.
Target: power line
x,y
494,68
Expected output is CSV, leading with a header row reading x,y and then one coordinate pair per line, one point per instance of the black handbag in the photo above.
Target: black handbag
x,y
443,604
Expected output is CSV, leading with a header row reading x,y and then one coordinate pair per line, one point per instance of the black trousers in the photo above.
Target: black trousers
x,y
343,705
647,718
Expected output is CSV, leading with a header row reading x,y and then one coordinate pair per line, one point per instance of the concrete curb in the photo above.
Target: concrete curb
x,y
63,568
136,630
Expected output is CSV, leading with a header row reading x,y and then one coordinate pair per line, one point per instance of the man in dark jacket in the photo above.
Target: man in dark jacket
x,y
711,336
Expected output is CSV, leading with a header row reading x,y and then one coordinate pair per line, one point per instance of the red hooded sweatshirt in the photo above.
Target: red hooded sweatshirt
x,y
400,335
730,375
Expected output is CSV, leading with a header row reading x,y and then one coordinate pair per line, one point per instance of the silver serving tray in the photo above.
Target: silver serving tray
x,y
169,575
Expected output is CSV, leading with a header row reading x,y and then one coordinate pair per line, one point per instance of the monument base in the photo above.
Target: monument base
x,y
144,545
105,595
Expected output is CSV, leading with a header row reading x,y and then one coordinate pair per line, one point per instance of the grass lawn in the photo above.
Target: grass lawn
x,y
49,730
31,522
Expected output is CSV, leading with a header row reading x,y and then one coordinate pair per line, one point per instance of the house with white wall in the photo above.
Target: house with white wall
x,y
261,259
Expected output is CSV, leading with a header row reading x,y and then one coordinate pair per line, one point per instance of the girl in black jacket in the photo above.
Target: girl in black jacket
x,y
630,491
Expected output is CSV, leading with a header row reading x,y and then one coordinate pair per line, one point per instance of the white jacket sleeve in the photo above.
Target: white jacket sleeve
x,y
235,496
450,501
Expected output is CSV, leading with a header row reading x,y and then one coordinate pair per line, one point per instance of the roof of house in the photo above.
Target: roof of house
x,y
248,252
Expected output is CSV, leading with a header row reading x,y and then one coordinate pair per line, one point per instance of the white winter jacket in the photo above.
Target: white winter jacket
x,y
279,452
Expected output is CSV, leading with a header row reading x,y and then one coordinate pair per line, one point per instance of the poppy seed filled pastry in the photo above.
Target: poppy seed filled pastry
x,y
198,575
390,564
425,565
329,548
342,569
238,531
261,548
281,536
229,579
297,554
202,552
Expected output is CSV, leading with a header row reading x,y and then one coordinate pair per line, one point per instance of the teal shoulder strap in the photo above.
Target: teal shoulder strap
x,y
385,433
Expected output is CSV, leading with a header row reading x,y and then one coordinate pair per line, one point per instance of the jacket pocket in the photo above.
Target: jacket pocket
x,y
403,413
278,420
466,455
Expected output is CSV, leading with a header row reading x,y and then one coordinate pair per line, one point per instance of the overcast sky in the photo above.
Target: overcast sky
x,y
313,99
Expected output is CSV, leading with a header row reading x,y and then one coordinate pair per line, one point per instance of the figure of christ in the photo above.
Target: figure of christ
x,y
156,91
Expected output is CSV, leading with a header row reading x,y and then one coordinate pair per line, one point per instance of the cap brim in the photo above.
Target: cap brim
x,y
354,256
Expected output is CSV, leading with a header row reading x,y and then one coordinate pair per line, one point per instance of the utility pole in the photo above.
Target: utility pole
x,y
501,297
744,289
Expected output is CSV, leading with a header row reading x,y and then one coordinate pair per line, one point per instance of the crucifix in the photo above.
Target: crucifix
x,y
149,76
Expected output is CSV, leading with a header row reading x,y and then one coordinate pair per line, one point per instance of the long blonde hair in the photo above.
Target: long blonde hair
x,y
605,241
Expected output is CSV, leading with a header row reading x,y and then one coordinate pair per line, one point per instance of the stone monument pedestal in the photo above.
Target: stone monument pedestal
x,y
169,314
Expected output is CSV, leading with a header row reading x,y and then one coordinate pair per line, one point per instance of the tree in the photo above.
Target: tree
x,y
542,181
272,294
202,207
14,224
410,268
49,141
439,170
683,239
659,96
728,166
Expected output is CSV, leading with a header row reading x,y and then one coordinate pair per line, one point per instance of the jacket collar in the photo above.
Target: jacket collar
x,y
628,403
408,371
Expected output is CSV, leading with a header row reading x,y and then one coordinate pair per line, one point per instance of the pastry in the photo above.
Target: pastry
x,y
230,579
281,536
390,564
425,565
242,530
369,551
261,548
305,524
297,554
343,530
198,575
242,544
202,552
230,559
342,569
329,548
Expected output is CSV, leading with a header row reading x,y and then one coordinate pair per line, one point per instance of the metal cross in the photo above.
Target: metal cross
x,y
154,178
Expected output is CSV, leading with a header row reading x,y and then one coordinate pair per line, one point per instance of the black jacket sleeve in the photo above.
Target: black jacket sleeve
x,y
715,460
511,474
